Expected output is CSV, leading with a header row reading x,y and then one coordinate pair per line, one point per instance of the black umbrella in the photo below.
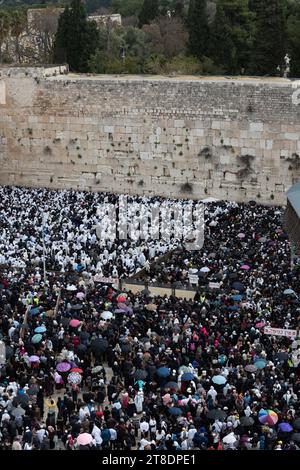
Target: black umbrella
x,y
282,356
246,421
81,349
23,399
84,335
296,437
144,340
125,348
9,352
140,374
99,345
76,307
216,414
296,423
238,286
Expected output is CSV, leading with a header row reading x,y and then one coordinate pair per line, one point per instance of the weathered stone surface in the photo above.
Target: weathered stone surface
x,y
229,138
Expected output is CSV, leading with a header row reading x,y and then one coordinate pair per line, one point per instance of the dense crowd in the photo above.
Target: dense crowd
x,y
88,366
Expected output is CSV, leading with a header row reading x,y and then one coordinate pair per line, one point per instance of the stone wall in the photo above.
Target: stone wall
x,y
235,139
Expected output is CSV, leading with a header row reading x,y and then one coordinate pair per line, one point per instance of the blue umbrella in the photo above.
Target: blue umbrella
x,y
260,363
237,298
34,311
234,308
163,372
36,338
40,329
219,380
289,292
238,286
175,411
187,377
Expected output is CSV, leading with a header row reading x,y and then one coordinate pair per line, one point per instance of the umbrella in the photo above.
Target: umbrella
x,y
262,239
229,439
145,339
36,338
76,307
237,298
219,380
140,374
74,323
63,367
289,292
183,369
268,417
216,414
245,267
296,437
106,315
121,299
282,356
120,310
40,329
34,311
23,399
285,427
246,421
260,363
251,368
74,378
241,235
175,411
77,370
187,376
238,286
34,359
96,369
9,352
16,412
71,288
205,269
296,423
260,324
163,372
125,348
84,439
99,345
171,385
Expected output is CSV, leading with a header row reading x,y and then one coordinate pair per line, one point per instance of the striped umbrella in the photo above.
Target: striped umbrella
x,y
268,417
74,378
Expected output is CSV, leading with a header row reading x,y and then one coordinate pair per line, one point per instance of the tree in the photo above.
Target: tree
x,y
18,23
232,35
198,29
42,30
293,27
5,20
270,45
76,38
148,12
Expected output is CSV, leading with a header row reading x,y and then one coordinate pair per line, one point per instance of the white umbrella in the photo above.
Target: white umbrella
x,y
106,315
205,269
229,439
71,288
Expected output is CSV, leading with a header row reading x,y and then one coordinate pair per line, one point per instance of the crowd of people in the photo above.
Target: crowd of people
x,y
85,365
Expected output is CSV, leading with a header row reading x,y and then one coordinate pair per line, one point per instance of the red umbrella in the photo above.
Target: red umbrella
x,y
77,369
74,323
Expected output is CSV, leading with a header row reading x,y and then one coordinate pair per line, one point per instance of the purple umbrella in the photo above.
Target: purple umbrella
x,y
63,367
34,359
120,310
285,427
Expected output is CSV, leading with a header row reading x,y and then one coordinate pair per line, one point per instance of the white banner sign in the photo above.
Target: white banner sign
x,y
280,332
193,278
106,280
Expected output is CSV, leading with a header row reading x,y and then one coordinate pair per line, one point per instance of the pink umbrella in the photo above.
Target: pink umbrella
x,y
241,235
74,323
121,299
63,367
80,295
245,267
260,324
34,359
84,439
